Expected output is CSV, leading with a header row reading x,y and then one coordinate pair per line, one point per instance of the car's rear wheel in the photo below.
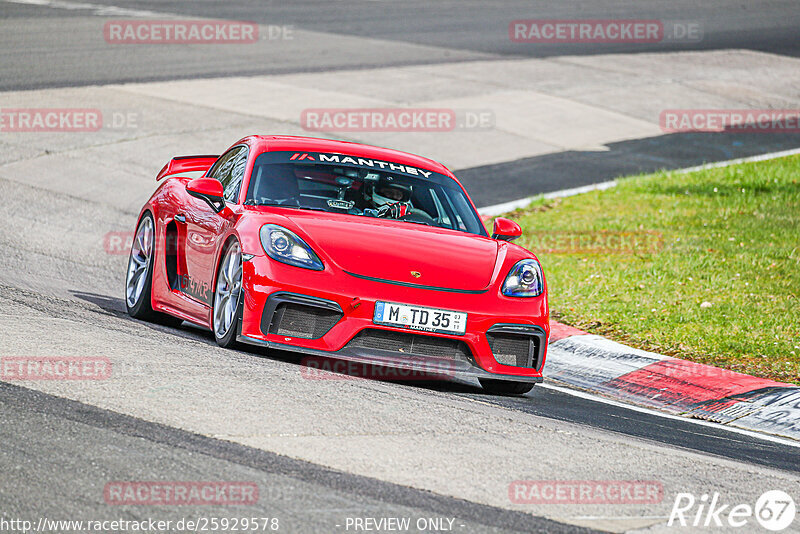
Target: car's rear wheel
x,y
226,296
139,279
505,387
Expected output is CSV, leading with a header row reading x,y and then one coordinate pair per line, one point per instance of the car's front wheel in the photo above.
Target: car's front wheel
x,y
505,387
226,296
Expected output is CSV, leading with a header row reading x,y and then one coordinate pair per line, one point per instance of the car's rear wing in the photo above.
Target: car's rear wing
x,y
186,164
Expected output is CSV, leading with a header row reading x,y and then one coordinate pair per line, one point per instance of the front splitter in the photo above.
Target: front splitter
x,y
437,367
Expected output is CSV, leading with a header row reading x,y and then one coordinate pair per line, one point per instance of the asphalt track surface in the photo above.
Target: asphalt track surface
x,y
56,453
430,32
68,445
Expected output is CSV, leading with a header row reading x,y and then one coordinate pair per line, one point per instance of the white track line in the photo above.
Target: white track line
x,y
497,209
760,157
701,422
505,207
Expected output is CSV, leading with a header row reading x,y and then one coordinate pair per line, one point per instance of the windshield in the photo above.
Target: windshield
x,y
357,186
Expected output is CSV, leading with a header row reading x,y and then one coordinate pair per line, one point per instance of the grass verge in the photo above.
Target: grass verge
x,y
704,266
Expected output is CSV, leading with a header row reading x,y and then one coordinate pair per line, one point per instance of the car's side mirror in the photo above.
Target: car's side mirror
x,y
506,229
208,189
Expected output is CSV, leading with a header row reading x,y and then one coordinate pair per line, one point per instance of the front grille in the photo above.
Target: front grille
x,y
410,344
298,320
514,349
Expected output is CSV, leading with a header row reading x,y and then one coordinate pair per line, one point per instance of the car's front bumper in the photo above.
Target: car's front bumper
x,y
354,299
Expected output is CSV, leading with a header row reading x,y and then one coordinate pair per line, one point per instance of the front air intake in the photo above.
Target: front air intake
x,y
403,344
517,345
303,316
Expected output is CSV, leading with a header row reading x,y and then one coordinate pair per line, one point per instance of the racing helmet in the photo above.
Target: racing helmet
x,y
387,193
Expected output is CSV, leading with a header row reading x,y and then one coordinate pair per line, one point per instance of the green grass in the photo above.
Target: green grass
x,y
716,274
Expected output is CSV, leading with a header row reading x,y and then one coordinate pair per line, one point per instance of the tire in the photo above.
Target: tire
x,y
227,297
505,387
139,277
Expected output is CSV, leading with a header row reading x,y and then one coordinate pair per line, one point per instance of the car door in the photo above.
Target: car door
x,y
205,228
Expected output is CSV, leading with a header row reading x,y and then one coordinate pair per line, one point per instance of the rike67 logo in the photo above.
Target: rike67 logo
x,y
775,511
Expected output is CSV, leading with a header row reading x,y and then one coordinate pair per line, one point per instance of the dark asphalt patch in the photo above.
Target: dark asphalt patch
x,y
513,180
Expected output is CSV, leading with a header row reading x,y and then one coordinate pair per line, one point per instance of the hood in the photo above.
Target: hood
x,y
391,250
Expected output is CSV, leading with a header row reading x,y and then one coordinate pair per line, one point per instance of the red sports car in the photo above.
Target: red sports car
x,y
340,250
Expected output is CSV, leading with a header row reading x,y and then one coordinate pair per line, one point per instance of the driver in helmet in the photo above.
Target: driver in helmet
x,y
391,200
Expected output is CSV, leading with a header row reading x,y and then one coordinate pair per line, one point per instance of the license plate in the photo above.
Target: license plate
x,y
420,318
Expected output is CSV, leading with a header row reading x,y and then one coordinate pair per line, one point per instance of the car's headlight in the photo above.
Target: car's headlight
x,y
524,280
285,246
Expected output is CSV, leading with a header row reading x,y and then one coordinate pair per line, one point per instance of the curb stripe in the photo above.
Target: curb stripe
x,y
589,361
596,364
729,409
679,384
561,331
